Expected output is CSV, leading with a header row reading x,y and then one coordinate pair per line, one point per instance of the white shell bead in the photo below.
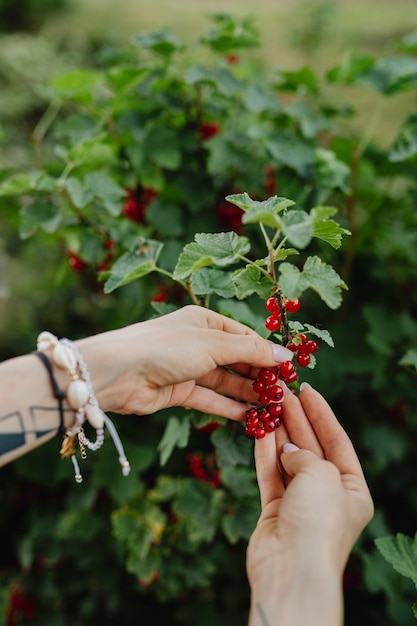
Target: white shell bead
x,y
46,340
64,357
77,394
94,416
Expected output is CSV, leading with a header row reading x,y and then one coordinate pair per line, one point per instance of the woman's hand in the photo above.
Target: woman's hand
x,y
315,502
193,357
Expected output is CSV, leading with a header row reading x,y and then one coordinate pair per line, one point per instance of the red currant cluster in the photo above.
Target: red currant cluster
x,y
273,322
265,417
300,344
303,349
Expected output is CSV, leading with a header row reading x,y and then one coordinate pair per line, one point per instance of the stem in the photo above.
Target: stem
x,y
42,128
249,262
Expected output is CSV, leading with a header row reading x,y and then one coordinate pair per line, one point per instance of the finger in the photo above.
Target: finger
x,y
229,384
270,481
249,349
211,402
300,460
299,428
331,436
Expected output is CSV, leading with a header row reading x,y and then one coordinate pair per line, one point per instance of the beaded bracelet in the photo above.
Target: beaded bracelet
x,y
82,400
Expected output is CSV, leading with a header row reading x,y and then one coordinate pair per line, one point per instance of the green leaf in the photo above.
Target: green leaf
x,y
325,229
304,78
320,333
207,281
331,173
230,34
162,146
298,227
401,552
134,264
167,217
251,280
220,249
232,447
77,193
242,312
295,154
241,522
202,505
78,85
163,42
41,213
405,145
176,435
409,358
240,480
23,183
265,211
317,275
352,67
107,190
391,74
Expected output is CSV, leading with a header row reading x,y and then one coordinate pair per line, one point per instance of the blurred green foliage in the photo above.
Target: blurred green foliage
x,y
143,141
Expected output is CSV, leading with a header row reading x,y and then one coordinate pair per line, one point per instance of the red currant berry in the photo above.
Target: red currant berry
x,y
272,305
303,359
311,346
275,410
260,433
286,368
270,426
250,432
267,376
263,398
273,323
292,306
275,393
277,422
291,378
292,346
259,385
303,337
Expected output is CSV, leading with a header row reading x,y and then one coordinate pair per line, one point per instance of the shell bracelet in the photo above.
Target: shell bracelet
x,y
81,398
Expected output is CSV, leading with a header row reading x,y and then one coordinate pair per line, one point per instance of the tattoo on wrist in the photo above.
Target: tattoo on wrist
x,y
18,430
261,614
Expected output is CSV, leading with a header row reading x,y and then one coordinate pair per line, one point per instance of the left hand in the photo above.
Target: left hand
x,y
192,357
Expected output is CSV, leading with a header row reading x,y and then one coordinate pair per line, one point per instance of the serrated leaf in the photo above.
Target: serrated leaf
x,y
207,281
176,435
265,211
401,552
298,227
321,334
219,249
232,447
316,275
134,264
251,280
326,229
280,254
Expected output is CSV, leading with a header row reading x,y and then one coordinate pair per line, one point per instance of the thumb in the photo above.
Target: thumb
x,y
294,459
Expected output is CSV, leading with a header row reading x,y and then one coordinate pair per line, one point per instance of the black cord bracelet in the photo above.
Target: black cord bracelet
x,y
58,393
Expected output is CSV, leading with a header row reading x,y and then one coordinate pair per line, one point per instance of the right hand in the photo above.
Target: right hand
x,y
315,500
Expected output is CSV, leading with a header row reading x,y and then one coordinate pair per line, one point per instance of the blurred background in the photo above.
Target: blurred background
x,y
74,558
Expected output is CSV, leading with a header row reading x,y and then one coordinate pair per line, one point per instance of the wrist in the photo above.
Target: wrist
x,y
302,588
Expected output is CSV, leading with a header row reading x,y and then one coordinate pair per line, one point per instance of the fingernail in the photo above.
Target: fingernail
x,y
281,354
290,447
304,386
